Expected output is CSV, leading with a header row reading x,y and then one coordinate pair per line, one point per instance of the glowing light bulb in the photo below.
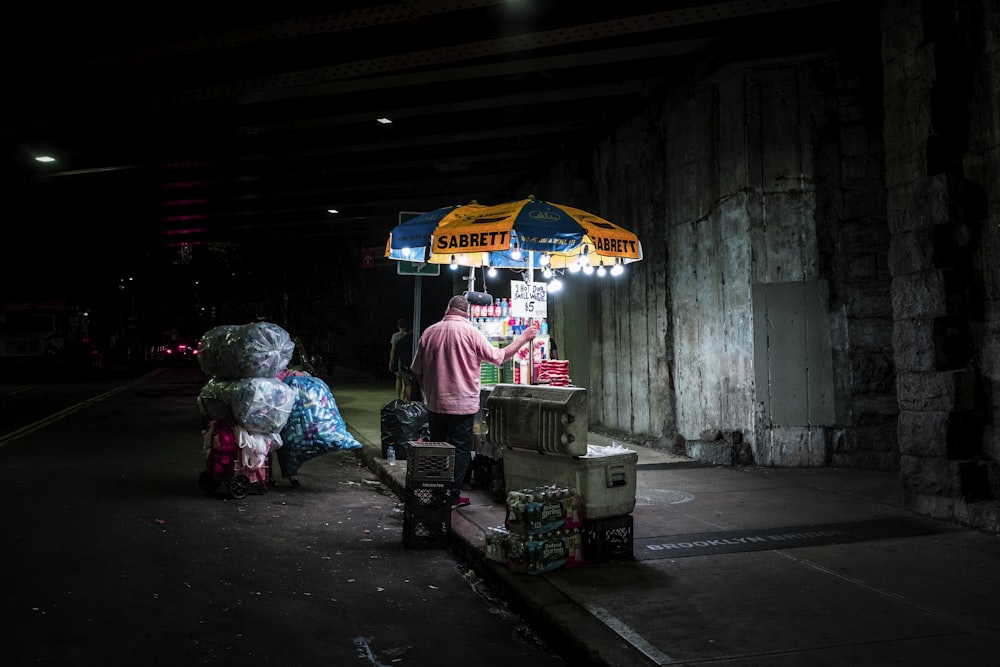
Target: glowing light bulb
x,y
454,264
544,259
406,252
617,269
546,273
515,254
492,272
588,269
601,271
555,285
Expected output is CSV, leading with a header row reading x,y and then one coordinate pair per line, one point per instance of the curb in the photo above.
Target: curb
x,y
573,630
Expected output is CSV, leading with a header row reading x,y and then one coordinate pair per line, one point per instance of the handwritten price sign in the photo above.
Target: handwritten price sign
x,y
528,299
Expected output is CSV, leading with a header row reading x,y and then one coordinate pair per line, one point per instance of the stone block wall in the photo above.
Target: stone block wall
x,y
941,174
869,176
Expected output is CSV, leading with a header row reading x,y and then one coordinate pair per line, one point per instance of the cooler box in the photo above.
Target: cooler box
x,y
606,484
545,419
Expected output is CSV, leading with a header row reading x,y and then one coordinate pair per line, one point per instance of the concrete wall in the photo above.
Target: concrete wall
x,y
941,167
738,191
822,257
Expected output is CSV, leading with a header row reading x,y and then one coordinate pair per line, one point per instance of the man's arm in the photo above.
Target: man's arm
x,y
519,342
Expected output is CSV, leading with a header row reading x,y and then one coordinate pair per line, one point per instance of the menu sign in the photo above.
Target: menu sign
x,y
528,299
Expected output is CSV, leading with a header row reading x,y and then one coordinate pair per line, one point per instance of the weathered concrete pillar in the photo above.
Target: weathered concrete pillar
x,y
934,215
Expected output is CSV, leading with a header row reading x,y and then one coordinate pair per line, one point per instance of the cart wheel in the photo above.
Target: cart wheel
x,y
238,486
207,483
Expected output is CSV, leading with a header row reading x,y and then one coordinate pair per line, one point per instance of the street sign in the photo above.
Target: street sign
x,y
417,269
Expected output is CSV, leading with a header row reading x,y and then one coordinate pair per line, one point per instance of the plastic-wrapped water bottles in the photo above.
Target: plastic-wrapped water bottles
x,y
390,455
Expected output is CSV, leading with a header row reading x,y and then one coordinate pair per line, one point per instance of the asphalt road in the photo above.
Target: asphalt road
x,y
111,551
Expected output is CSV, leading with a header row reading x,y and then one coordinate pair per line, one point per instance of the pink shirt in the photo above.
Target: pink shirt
x,y
447,365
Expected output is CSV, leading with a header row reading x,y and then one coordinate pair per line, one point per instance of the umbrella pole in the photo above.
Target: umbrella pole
x,y
472,279
531,344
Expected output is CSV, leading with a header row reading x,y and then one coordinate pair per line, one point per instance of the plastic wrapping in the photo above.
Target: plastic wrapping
x,y
258,349
543,509
314,427
215,354
258,404
537,554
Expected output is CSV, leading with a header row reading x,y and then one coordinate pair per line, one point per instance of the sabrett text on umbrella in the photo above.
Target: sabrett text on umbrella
x,y
620,246
475,240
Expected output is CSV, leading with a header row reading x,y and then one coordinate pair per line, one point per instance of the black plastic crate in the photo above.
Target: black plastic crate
x,y
606,539
425,528
430,461
428,496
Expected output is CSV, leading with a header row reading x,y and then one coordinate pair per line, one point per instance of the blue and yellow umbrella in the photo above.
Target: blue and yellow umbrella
x,y
523,234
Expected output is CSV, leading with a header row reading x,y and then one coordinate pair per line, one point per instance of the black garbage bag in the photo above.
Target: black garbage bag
x,y
403,422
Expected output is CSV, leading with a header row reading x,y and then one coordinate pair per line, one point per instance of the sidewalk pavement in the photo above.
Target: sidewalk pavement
x,y
743,566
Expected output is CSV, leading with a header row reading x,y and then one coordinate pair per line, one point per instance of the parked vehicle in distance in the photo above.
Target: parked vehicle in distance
x,y
180,351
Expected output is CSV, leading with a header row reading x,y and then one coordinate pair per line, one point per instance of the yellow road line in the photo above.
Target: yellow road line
x,y
51,419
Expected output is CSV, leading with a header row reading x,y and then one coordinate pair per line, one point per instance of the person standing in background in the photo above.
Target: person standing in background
x,y
400,360
393,366
447,365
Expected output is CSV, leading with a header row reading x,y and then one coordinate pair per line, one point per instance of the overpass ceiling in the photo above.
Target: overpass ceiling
x,y
190,122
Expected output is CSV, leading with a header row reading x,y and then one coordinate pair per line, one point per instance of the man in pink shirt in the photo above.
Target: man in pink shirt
x,y
447,365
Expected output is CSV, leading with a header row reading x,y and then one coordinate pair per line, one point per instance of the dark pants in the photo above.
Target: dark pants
x,y
456,430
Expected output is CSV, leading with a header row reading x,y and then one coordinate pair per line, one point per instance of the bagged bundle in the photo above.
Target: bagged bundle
x,y
217,356
314,427
258,404
258,349
265,350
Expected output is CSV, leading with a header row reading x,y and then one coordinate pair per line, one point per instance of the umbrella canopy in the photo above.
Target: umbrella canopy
x,y
524,234
411,240
531,233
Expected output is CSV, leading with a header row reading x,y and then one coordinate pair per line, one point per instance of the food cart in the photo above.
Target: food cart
x,y
525,236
